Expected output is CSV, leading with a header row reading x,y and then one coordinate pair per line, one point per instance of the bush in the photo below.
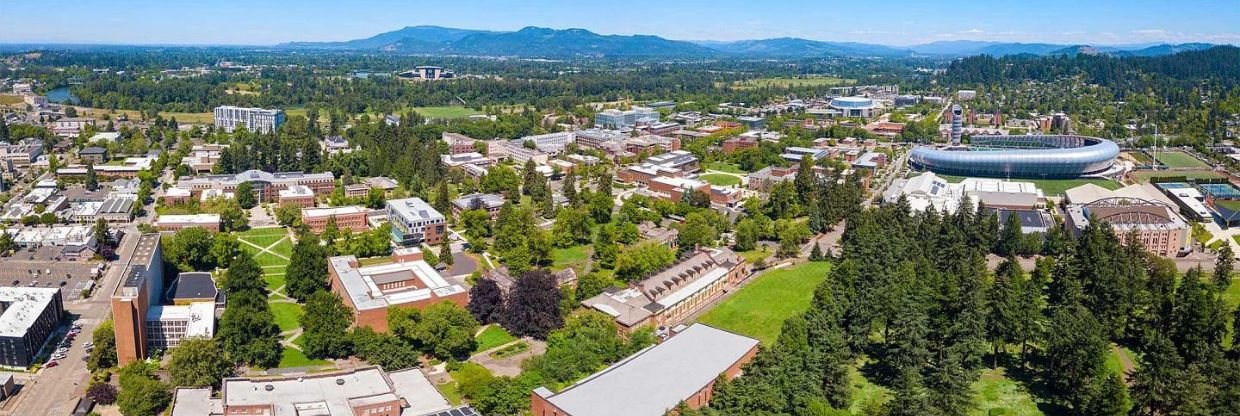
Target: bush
x,y
102,393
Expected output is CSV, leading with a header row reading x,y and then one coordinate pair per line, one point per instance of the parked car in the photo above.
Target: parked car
x,y
51,364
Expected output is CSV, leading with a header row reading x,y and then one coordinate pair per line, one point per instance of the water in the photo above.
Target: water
x,y
62,96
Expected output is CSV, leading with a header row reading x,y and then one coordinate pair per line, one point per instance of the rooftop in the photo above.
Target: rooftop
x,y
23,305
192,285
333,394
486,201
362,283
329,212
659,376
202,219
414,209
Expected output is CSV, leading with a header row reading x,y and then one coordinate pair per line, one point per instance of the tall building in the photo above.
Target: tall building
x,y
415,222
259,120
142,322
614,119
957,124
29,317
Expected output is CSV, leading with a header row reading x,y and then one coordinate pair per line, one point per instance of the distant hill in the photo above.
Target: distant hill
x,y
797,47
544,42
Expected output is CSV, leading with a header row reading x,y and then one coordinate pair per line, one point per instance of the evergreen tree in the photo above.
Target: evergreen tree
x,y
92,178
569,189
307,270
1223,267
245,195
445,253
1003,315
443,201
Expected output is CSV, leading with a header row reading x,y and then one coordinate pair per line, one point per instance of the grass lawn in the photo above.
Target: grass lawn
x,y
1052,187
760,308
255,232
283,248
1180,160
287,315
370,261
294,358
1145,175
787,82
267,259
445,112
6,99
864,391
263,240
450,391
752,256
575,256
997,394
725,167
492,337
274,279
1140,157
720,179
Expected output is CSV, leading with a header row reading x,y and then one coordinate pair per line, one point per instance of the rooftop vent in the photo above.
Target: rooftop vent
x,y
340,382
269,387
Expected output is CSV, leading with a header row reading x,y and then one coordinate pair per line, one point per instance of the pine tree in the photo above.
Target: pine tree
x,y
1003,315
443,202
92,178
1223,267
445,253
569,189
815,254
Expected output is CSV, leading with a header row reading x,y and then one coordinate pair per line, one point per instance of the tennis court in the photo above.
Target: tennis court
x,y
1220,190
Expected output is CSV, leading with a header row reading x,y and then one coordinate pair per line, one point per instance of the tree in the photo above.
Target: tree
x,y
288,214
243,274
570,229
1223,267
592,284
605,247
384,350
1003,316
815,254
245,195
92,178
224,248
102,393
444,330
1010,237
102,235
141,394
445,253
248,332
533,307
307,270
326,323
698,230
104,354
1075,346
443,199
696,198
198,362
642,259
747,233
486,301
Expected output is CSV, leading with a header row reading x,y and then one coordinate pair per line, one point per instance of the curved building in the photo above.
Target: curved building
x,y
1039,156
853,106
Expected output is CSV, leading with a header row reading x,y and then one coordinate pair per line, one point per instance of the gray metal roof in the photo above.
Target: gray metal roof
x,y
655,379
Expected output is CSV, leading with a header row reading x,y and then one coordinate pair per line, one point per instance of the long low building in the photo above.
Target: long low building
x,y
408,281
1134,214
654,380
211,222
351,218
366,391
267,186
667,297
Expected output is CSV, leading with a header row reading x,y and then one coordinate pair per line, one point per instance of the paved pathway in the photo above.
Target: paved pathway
x,y
267,249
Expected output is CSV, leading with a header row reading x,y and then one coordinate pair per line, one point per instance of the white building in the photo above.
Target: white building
x,y
929,190
259,120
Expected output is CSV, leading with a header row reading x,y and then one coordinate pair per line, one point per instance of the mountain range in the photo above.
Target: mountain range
x,y
549,43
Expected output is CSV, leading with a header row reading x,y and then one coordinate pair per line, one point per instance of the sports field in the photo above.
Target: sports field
x,y
1145,175
1180,160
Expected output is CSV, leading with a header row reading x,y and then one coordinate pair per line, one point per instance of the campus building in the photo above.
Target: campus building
x,y
210,222
415,222
368,391
28,317
614,119
267,186
142,321
1134,213
351,218
681,369
489,202
259,120
460,143
854,106
1034,156
667,297
406,282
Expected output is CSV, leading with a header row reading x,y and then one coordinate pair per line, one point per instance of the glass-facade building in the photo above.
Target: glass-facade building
x,y
1037,156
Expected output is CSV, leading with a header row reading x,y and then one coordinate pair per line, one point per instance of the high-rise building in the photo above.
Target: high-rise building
x,y
28,317
957,122
259,120
142,322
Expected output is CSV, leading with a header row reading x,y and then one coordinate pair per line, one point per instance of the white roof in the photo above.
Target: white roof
x,y
656,378
359,283
190,219
296,191
418,391
199,317
195,402
25,305
328,392
328,212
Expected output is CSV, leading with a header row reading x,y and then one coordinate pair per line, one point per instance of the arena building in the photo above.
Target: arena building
x,y
1034,156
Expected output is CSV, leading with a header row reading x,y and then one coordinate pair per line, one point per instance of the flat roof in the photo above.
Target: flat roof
x,y
189,219
199,317
193,285
332,394
195,402
328,212
414,209
24,306
658,377
362,283
141,261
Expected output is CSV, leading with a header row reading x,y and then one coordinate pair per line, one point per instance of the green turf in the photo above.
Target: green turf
x,y
287,315
575,256
1140,158
274,279
752,256
492,337
1145,175
445,112
294,358
760,308
450,391
255,232
1052,187
725,167
370,261
1229,204
995,393
865,394
263,241
284,248
268,259
1180,160
720,179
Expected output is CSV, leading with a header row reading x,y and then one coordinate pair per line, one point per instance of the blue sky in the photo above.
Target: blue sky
x,y
892,22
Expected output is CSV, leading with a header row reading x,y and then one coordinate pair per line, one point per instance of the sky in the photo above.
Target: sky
x,y
889,22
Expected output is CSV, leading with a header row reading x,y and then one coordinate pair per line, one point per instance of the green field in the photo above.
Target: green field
x,y
998,395
720,179
445,112
1052,187
575,256
294,358
274,278
283,248
725,167
492,337
1180,160
760,308
267,259
1140,157
287,315
788,82
752,256
258,232
1145,175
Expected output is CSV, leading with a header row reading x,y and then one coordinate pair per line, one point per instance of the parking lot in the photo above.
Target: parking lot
x,y
70,277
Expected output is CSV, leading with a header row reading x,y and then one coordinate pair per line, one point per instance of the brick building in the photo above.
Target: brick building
x,y
407,282
351,218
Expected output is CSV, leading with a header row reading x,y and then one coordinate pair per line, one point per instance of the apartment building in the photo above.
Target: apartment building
x,y
415,222
258,120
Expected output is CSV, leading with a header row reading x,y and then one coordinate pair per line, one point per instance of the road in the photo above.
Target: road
x,y
52,391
